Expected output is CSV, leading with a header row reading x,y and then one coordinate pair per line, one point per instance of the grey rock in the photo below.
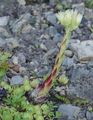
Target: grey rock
x,y
50,52
78,31
8,7
88,14
16,80
66,1
34,63
4,32
83,50
73,44
2,42
42,72
57,37
90,63
23,70
79,7
52,2
20,23
51,17
12,42
91,36
68,53
15,59
83,119
4,20
81,82
89,115
68,63
69,112
21,2
21,58
27,28
44,25
43,47
52,31
18,26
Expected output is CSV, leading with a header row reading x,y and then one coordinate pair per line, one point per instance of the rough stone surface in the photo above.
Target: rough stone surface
x,y
12,42
4,20
8,7
88,13
51,17
20,23
52,2
89,115
84,50
81,82
68,53
16,80
80,7
4,32
69,112
22,2
68,63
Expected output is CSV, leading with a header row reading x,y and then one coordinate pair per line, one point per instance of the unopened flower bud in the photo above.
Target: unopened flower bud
x,y
70,19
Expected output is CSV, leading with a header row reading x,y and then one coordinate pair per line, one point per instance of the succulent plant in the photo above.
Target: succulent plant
x,y
71,20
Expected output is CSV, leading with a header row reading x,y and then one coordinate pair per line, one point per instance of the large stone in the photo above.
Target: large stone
x,y
83,50
51,17
69,112
27,28
21,58
51,31
81,82
52,2
4,32
88,14
79,7
18,25
50,52
68,63
8,7
4,20
21,2
89,115
2,42
12,42
16,80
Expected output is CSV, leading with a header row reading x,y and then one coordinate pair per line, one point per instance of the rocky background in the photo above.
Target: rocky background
x,y
30,31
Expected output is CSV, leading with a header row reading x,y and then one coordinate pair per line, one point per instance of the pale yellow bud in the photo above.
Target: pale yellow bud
x,y
70,19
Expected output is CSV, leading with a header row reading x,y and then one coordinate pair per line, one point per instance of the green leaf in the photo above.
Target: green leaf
x,y
89,4
7,115
2,73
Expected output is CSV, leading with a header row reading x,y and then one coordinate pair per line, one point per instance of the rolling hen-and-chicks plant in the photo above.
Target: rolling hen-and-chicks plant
x,y
70,19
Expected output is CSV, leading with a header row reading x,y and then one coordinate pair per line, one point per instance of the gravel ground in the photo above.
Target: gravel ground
x,y
30,31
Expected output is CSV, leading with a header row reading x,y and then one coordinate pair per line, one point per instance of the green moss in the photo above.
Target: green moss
x,y
17,107
89,4
79,101
63,5
4,63
63,98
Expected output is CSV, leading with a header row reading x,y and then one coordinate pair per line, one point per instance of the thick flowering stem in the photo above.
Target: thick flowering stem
x,y
42,90
71,20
